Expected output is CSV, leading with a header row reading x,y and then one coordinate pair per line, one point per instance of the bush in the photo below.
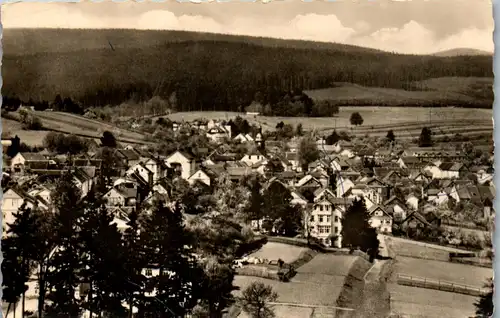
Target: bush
x,y
61,143
29,121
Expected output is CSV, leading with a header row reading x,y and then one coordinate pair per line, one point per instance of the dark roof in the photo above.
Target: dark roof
x,y
129,154
32,156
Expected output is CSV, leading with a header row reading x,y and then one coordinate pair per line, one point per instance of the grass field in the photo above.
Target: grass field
x,y
29,137
275,251
377,120
317,283
410,248
419,303
448,272
69,124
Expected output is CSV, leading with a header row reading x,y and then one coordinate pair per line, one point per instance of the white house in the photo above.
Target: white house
x,y
200,175
253,157
242,138
157,167
23,159
344,185
412,201
325,220
123,195
183,163
380,219
142,171
12,200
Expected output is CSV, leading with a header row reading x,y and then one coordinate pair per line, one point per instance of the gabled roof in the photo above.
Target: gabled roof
x,y
128,154
417,216
410,160
182,153
394,200
376,207
32,156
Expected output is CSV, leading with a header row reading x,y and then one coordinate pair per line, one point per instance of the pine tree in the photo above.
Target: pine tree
x,y
13,281
104,255
66,262
425,139
134,262
169,249
23,235
356,229
255,208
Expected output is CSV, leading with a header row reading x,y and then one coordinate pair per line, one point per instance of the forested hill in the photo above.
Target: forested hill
x,y
206,71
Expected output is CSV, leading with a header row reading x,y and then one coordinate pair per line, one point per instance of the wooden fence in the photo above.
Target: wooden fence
x,y
423,282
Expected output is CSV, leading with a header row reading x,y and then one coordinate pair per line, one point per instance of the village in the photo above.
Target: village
x,y
418,193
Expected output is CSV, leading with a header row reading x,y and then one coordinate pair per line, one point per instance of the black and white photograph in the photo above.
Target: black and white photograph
x,y
247,159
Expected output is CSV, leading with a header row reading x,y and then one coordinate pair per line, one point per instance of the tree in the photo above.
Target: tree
x,y
66,261
256,299
333,138
13,279
102,245
169,248
484,305
356,229
299,131
255,207
390,136
280,125
308,152
108,140
356,119
23,235
425,139
217,287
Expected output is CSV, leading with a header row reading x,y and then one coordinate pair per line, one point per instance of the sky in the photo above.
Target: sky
x,y
404,26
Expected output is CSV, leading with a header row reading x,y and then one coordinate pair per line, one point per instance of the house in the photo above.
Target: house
x,y
12,200
397,208
120,218
253,157
344,185
308,181
157,166
219,133
411,164
122,195
143,172
414,222
26,159
450,170
298,198
128,158
183,164
204,176
380,219
293,159
82,180
413,201
325,222
243,138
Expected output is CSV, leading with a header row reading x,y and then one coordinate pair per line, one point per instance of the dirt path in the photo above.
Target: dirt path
x,y
375,297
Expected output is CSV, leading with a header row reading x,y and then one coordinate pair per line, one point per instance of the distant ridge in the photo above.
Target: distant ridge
x,y
462,52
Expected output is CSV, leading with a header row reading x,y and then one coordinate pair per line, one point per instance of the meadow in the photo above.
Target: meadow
x,y
317,283
419,303
275,251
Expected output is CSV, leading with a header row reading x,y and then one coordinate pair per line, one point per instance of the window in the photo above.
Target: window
x,y
149,272
336,230
320,218
321,208
336,218
328,218
324,229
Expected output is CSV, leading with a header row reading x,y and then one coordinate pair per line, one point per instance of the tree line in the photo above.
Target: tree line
x,y
204,75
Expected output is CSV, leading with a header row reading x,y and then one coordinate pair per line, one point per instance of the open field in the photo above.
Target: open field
x,y
450,272
69,124
377,120
409,248
29,137
419,302
317,283
275,251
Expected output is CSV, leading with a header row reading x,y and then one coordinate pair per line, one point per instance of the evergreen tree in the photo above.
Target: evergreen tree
x,y
134,262
104,256
255,208
23,235
390,136
484,305
108,140
67,259
425,139
356,229
299,131
169,249
13,281
333,138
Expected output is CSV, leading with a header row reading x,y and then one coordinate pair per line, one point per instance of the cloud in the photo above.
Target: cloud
x,y
411,37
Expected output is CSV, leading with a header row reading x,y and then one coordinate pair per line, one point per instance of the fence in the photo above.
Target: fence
x,y
423,282
470,226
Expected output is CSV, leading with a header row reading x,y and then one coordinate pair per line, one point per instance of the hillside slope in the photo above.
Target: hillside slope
x,y
206,71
